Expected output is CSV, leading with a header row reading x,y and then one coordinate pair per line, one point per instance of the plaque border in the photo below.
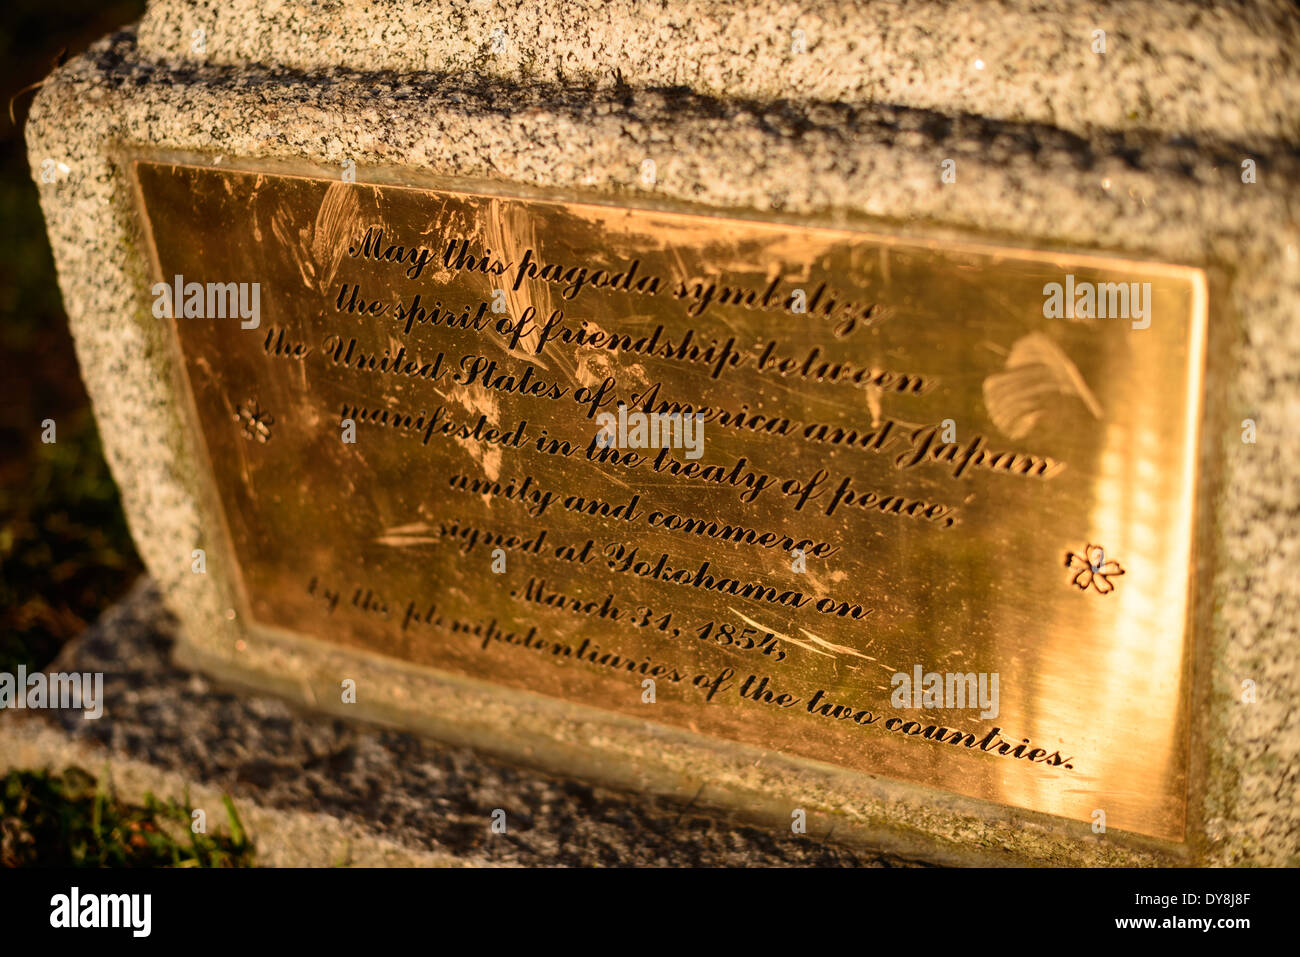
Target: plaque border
x,y
1214,340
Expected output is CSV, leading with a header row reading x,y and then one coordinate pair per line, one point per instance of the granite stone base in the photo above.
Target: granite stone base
x,y
321,790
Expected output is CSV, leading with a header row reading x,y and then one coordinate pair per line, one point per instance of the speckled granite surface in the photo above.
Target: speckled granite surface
x,y
1164,67
1050,162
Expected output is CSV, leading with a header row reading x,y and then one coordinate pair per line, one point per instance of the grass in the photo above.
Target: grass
x,y
65,552
71,820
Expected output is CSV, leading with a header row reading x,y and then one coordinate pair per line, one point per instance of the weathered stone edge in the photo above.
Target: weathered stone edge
x,y
1184,66
283,838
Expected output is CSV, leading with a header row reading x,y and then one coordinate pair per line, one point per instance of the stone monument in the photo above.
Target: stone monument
x,y
875,417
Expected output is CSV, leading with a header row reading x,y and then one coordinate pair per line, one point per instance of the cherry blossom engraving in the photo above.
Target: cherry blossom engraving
x,y
1094,570
255,420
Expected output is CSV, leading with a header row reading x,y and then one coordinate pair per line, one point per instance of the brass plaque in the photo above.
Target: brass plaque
x,y
925,509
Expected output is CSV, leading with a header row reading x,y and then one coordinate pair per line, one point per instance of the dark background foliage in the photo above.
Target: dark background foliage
x,y
64,549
